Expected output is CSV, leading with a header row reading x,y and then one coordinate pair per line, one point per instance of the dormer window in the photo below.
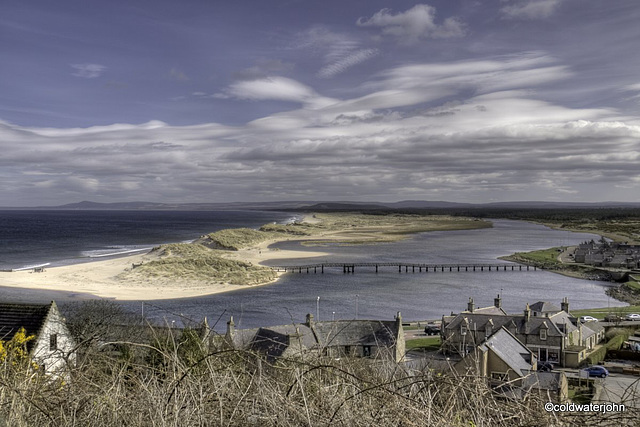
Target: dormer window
x,y
543,334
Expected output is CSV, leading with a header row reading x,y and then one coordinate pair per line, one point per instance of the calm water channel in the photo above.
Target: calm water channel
x,y
416,295
379,296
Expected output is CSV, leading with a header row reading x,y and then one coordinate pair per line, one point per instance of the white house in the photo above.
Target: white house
x,y
53,348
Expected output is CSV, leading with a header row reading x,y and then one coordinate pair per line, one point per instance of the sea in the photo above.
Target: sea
x,y
53,238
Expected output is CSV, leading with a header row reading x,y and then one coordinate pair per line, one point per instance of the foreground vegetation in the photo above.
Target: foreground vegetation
x,y
166,378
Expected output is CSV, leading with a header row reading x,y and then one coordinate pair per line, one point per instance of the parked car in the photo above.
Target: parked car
x,y
432,329
613,318
632,316
585,319
546,366
597,371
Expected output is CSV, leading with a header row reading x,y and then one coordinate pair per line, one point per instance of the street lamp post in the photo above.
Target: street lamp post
x,y
318,309
356,306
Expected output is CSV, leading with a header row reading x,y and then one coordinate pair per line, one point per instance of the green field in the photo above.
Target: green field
x,y
425,344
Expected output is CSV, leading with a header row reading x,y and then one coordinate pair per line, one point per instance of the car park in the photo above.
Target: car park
x,y
585,319
597,371
632,316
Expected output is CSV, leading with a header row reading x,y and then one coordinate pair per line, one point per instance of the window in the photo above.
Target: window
x,y
347,349
53,342
487,331
366,351
500,376
543,334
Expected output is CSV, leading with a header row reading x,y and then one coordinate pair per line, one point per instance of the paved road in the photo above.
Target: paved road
x,y
619,388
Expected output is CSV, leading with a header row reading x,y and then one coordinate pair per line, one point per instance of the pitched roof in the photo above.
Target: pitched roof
x,y
31,317
274,340
542,380
510,350
544,307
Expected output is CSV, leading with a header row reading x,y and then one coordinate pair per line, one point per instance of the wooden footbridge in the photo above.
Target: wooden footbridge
x,y
406,267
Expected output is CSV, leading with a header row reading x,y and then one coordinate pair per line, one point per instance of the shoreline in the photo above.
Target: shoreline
x,y
99,278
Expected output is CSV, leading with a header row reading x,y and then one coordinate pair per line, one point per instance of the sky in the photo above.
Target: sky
x,y
353,100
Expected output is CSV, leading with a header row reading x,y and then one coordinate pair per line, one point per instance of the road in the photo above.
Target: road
x,y
618,388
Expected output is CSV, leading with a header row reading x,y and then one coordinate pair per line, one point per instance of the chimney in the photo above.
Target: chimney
x,y
309,320
564,305
497,301
470,305
231,331
527,314
399,318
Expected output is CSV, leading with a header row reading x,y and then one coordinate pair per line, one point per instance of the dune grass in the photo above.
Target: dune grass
x,y
191,262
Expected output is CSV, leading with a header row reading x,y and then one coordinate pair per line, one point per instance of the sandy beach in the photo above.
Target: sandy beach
x,y
100,278
109,278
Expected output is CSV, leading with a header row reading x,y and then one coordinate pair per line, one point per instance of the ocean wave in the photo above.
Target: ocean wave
x,y
29,267
100,253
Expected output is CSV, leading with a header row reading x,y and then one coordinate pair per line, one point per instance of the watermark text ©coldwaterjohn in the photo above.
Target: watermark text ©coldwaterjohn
x,y
588,407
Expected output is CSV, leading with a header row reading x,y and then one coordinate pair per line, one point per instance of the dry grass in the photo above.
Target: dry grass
x,y
234,238
189,262
176,381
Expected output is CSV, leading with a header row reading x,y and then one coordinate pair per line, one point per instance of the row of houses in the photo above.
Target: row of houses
x,y
608,254
506,349
551,333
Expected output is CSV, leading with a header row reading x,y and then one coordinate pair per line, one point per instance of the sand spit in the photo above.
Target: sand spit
x,y
117,278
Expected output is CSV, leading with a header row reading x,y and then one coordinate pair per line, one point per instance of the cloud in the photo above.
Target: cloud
x,y
88,71
263,68
530,9
271,88
340,52
178,75
466,130
347,61
413,25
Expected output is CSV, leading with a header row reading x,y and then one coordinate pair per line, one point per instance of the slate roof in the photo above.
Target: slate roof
x,y
591,328
496,311
510,350
542,380
273,341
514,323
544,307
31,317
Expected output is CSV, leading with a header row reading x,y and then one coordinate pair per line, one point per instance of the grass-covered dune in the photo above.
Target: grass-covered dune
x,y
207,260
192,262
234,238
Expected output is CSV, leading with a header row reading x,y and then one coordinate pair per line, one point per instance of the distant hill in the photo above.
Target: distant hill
x,y
332,206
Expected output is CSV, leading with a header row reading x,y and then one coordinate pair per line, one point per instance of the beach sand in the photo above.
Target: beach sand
x,y
104,279
99,278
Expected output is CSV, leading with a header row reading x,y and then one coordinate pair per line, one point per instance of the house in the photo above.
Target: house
x,y
339,338
52,349
550,386
510,368
551,333
500,358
